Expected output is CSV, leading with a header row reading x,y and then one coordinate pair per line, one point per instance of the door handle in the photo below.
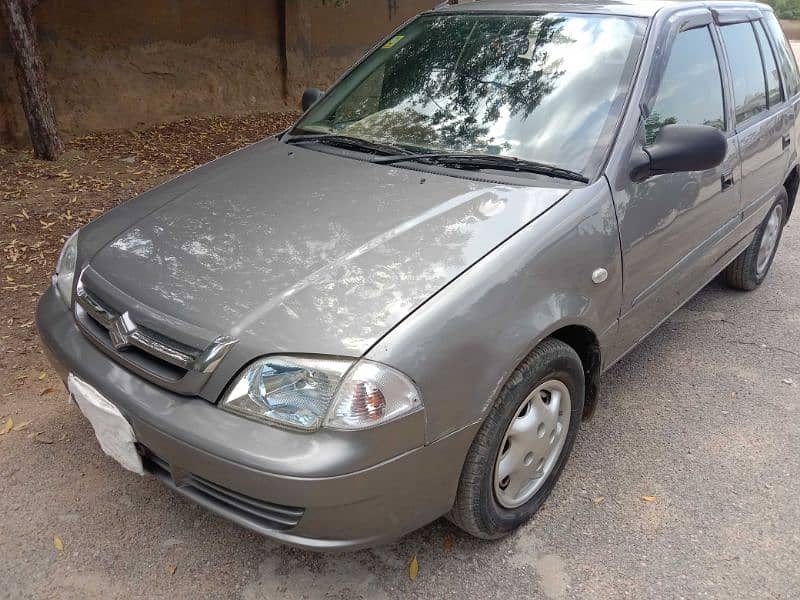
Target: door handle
x,y
786,140
727,180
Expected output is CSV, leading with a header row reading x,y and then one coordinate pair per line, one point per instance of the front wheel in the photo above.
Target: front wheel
x,y
523,445
750,268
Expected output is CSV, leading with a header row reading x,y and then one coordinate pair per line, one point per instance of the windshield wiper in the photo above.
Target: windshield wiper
x,y
487,161
349,142
461,160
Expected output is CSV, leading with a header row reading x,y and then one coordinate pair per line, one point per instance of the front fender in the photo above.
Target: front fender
x,y
462,345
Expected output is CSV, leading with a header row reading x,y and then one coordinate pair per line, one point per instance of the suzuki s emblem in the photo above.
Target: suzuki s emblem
x,y
120,331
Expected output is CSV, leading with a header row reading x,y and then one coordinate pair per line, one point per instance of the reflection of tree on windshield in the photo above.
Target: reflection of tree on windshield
x,y
447,86
546,88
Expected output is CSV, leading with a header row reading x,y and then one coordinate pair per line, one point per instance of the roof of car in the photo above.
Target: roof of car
x,y
635,8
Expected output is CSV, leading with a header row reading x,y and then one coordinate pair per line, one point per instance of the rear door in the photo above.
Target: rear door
x,y
763,120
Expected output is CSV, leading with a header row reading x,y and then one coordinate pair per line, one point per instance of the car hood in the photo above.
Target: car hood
x,y
292,249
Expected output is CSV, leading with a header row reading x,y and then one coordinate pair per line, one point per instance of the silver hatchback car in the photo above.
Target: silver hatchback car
x,y
400,308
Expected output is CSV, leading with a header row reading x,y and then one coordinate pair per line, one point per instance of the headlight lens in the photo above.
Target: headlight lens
x,y
65,268
299,393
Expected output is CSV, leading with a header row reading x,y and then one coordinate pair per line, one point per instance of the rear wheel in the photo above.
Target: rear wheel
x,y
750,268
523,445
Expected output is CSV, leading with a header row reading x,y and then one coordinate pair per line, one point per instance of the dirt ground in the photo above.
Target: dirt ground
x,y
685,484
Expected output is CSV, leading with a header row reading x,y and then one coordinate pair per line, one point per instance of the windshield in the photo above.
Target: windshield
x,y
546,88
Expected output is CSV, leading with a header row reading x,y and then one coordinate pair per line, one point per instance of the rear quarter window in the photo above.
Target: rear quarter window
x,y
785,55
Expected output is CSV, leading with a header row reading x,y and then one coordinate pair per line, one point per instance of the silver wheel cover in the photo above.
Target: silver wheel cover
x,y
532,444
769,241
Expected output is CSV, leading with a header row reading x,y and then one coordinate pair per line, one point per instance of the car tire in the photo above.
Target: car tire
x,y
483,507
751,267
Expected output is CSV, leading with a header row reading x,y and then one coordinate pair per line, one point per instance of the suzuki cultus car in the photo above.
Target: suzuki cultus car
x,y
400,308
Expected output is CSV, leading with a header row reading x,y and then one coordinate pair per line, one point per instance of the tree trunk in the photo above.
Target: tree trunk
x,y
31,79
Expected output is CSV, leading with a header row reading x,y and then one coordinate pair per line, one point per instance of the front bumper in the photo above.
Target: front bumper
x,y
249,472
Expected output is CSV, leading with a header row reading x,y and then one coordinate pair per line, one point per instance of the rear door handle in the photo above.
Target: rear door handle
x,y
727,180
787,139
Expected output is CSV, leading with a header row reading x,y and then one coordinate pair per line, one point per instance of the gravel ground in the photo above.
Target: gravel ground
x,y
685,484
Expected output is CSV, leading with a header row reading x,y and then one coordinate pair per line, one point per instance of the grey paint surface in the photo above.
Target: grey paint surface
x,y
514,298
324,253
531,250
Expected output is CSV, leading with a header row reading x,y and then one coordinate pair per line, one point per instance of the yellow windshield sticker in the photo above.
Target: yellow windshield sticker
x,y
393,42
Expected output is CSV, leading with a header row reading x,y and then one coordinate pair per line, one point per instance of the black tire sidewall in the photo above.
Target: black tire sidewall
x,y
782,199
565,368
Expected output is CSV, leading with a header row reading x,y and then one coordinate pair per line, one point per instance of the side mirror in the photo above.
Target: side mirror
x,y
680,149
310,96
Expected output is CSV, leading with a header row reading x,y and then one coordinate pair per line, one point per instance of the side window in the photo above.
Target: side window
x,y
785,55
774,93
690,92
749,88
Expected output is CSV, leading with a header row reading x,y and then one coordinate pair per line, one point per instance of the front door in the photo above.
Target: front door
x,y
671,225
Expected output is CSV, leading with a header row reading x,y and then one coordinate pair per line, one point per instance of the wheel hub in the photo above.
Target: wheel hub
x,y
532,444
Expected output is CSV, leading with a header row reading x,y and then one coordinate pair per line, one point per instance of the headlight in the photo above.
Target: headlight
x,y
65,268
305,393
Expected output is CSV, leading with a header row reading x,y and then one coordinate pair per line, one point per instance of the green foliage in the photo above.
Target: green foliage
x,y
786,9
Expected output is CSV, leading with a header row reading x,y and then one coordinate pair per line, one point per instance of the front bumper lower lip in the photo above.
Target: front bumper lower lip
x,y
344,511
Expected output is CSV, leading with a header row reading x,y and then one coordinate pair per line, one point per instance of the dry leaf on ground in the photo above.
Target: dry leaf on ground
x,y
413,568
39,439
8,426
58,544
649,498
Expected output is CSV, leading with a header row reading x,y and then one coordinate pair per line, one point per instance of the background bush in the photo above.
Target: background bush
x,y
786,9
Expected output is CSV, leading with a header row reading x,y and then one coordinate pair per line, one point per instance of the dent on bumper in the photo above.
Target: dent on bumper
x,y
364,506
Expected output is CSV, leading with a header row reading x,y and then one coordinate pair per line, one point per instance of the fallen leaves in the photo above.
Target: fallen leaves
x,y
9,425
599,500
171,569
43,202
649,498
413,568
58,544
39,437
448,543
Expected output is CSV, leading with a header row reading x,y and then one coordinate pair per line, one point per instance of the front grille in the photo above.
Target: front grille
x,y
162,348
251,512
159,355
158,358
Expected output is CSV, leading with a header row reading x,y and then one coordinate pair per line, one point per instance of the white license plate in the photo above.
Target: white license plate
x,y
113,431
